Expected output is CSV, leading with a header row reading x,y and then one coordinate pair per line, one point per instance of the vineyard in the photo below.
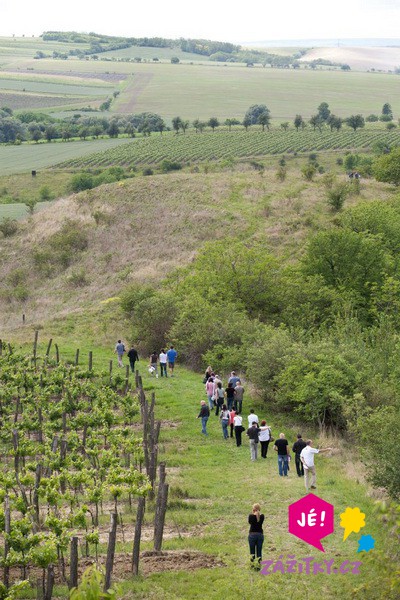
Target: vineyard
x,y
223,144
70,456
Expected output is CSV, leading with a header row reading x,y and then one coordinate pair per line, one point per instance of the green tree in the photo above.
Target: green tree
x,y
264,120
387,110
253,113
184,125
324,111
213,123
348,260
355,122
113,129
175,60
285,125
230,122
298,122
246,123
386,168
334,122
316,122
176,124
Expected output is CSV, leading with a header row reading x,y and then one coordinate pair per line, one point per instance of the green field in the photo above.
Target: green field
x,y
26,101
196,91
224,144
28,84
18,210
207,89
28,157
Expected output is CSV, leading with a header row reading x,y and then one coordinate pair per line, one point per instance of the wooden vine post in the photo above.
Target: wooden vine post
x,y
112,539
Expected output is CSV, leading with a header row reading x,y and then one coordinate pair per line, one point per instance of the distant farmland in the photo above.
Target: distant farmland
x,y
20,159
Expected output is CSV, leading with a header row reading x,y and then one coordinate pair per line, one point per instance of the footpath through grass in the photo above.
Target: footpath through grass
x,y
222,484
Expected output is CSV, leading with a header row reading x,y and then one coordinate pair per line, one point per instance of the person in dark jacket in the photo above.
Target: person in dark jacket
x,y
297,448
203,415
133,357
256,535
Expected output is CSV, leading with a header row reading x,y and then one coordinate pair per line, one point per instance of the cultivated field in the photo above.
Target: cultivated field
x,y
206,89
361,59
27,157
238,143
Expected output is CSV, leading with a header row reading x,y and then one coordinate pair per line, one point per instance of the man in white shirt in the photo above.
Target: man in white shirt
x,y
252,417
307,458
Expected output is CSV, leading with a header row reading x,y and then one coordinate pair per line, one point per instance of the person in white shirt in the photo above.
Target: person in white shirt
x,y
252,417
307,458
264,438
163,363
238,426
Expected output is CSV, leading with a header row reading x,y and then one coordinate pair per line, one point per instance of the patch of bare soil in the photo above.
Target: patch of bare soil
x,y
150,562
133,91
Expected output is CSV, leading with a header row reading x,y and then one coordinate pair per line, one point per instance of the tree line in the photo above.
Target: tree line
x,y
33,126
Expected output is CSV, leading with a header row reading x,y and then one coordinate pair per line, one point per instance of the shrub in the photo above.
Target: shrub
x,y
31,205
336,196
386,118
8,227
81,182
62,248
281,174
391,126
78,279
308,172
372,118
45,193
168,165
148,171
339,161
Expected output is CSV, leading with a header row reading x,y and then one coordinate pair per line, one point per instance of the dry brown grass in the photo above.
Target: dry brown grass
x,y
146,227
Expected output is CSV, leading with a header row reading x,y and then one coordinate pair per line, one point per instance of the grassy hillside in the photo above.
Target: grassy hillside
x,y
141,229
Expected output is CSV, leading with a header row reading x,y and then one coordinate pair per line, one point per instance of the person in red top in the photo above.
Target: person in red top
x,y
232,415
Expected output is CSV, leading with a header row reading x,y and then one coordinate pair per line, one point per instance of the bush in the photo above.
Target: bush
x,y
336,196
81,182
379,444
391,126
385,118
308,172
148,171
78,279
45,193
281,174
339,161
8,227
168,165
62,248
372,118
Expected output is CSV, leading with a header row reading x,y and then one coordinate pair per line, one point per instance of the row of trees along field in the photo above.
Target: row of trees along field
x,y
319,338
23,126
68,447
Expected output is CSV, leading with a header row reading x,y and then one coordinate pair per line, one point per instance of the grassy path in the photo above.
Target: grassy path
x,y
222,484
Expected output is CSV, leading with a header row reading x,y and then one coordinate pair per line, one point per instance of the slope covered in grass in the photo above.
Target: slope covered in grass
x,y
84,249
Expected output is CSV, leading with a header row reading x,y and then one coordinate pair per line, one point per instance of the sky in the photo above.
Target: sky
x,y
224,21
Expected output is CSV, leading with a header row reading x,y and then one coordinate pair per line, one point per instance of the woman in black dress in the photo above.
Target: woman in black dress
x,y
256,536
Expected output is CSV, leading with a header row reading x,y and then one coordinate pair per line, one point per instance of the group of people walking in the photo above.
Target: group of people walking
x,y
228,405
161,359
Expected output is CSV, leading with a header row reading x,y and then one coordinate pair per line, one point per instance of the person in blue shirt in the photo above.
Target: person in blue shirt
x,y
171,356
